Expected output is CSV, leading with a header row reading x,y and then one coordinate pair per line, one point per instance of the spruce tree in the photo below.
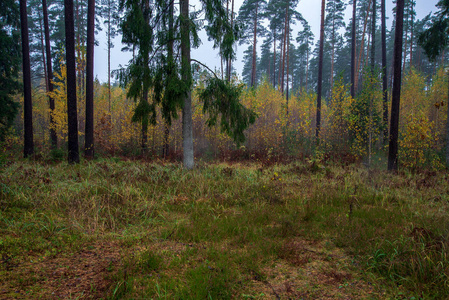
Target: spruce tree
x,y
435,40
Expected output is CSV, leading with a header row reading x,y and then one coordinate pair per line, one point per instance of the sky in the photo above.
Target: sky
x,y
310,10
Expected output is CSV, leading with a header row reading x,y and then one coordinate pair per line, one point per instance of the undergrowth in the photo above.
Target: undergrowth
x,y
224,231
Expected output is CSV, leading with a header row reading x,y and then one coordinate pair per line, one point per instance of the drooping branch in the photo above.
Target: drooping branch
x,y
200,63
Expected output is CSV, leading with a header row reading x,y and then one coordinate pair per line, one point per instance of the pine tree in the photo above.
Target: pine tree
x,y
72,115
250,19
333,22
384,72
305,40
28,148
320,72
353,47
89,128
395,102
109,10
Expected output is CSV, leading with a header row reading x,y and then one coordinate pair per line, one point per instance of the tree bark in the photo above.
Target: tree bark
x,y
187,130
109,60
274,60
230,58
286,38
395,102
72,115
384,73
353,48
331,79
28,148
359,60
170,44
89,128
253,68
320,73
447,124
405,42
373,37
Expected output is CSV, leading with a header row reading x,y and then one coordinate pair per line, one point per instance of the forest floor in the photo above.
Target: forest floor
x,y
114,228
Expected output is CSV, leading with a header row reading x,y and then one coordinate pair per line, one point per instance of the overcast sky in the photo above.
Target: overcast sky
x,y
310,10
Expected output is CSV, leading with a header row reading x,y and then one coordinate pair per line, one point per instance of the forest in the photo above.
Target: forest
x,y
319,172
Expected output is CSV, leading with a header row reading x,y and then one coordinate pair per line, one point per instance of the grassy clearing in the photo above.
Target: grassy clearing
x,y
119,229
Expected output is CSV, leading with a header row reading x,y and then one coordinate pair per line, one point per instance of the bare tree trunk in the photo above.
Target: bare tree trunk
x,y
395,102
405,41
447,125
280,73
332,57
384,73
187,123
230,58
353,48
89,127
109,61
28,148
307,67
274,60
357,70
286,38
72,115
411,39
253,67
41,32
288,58
166,147
320,73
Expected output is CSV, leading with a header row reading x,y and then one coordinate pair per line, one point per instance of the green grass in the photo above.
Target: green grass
x,y
154,230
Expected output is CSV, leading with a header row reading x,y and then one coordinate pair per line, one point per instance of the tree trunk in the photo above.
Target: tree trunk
x,y
41,32
89,127
109,61
166,147
53,136
405,42
286,38
253,68
230,58
187,130
332,57
395,102
288,58
320,72
373,37
353,48
28,148
72,115
307,66
359,60
384,73
281,52
411,37
447,124
274,60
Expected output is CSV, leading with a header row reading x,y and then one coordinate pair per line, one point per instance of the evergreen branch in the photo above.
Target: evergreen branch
x,y
198,62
